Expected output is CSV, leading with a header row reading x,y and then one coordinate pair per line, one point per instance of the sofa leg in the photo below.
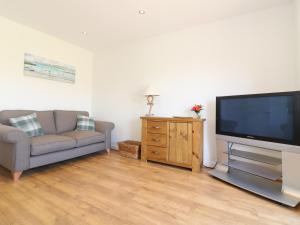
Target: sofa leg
x,y
16,175
108,150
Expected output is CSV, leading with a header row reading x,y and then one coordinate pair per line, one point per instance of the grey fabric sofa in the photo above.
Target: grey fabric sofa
x,y
61,141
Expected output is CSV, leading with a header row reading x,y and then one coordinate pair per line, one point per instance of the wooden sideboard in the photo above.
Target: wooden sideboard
x,y
174,141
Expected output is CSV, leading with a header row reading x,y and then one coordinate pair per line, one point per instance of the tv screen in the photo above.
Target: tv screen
x,y
269,117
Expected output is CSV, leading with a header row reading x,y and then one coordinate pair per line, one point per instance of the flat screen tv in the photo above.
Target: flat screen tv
x,y
272,117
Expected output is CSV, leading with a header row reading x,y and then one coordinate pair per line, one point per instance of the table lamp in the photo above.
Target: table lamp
x,y
150,93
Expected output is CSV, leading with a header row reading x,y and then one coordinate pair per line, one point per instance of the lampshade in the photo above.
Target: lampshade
x,y
151,91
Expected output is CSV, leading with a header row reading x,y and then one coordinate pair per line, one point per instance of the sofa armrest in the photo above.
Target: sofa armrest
x,y
11,134
105,128
14,149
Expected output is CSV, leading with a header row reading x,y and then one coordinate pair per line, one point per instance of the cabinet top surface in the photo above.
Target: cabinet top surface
x,y
183,119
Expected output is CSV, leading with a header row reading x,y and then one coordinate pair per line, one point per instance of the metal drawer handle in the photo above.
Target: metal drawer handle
x,y
155,153
156,127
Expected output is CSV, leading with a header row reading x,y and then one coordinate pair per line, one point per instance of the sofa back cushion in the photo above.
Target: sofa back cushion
x,y
46,118
66,120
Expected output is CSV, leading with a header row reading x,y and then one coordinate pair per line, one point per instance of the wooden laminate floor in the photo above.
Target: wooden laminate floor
x,y
108,189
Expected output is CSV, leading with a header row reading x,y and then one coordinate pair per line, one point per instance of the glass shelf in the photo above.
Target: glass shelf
x,y
260,186
255,169
256,157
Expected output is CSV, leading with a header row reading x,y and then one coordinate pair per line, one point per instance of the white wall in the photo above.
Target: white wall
x,y
252,53
22,92
291,165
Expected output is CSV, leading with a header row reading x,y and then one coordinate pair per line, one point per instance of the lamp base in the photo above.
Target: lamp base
x,y
149,115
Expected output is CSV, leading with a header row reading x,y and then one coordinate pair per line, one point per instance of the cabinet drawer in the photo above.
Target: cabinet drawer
x,y
157,127
156,153
157,139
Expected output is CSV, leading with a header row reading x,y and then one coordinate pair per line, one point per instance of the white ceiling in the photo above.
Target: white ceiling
x,y
113,22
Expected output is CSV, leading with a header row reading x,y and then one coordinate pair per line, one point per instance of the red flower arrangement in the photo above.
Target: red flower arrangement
x,y
197,109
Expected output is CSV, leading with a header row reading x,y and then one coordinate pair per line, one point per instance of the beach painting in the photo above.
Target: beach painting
x,y
48,69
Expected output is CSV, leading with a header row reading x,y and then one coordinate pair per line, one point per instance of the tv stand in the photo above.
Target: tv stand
x,y
254,172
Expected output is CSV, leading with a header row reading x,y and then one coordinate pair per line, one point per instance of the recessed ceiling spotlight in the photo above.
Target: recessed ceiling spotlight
x,y
84,33
142,12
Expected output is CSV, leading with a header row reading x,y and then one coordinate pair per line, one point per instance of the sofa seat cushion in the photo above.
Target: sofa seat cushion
x,y
51,143
84,138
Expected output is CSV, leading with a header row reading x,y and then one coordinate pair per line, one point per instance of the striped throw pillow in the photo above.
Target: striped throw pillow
x,y
85,123
29,124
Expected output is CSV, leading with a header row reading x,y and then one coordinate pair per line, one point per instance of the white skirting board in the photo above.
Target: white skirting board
x,y
291,191
290,173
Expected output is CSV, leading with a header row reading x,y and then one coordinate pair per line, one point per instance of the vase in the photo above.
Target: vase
x,y
197,115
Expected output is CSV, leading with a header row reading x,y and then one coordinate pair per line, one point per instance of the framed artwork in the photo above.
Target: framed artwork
x,y
48,69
